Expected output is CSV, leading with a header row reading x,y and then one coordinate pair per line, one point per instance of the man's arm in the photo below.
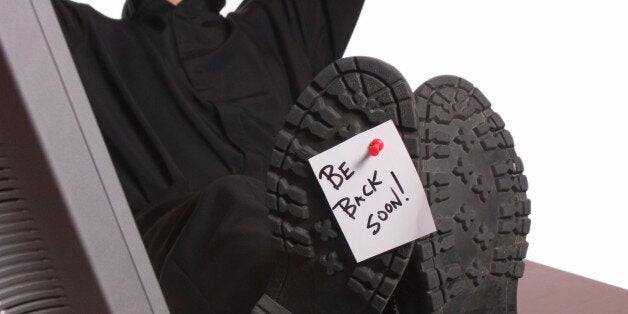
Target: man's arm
x,y
321,28
71,17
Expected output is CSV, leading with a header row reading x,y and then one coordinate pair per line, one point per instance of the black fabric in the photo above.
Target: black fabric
x,y
228,271
185,97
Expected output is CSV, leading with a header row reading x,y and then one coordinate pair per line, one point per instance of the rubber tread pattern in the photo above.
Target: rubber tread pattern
x,y
317,272
476,189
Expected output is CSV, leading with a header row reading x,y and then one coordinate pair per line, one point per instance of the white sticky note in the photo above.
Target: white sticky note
x,y
378,201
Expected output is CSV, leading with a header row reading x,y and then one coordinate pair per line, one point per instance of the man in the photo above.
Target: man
x,y
189,103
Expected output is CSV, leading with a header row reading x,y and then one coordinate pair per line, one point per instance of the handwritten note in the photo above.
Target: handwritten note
x,y
378,201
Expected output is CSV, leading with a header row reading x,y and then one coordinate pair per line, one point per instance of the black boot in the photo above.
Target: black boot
x,y
476,191
316,272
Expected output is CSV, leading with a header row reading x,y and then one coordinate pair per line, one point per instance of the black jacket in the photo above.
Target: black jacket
x,y
184,96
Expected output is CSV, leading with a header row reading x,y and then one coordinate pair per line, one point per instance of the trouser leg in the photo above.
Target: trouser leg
x,y
220,258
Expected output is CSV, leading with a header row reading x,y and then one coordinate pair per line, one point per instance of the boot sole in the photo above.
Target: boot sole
x,y
476,190
317,272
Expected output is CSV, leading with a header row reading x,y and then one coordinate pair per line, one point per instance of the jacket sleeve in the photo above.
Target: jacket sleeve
x,y
73,19
321,29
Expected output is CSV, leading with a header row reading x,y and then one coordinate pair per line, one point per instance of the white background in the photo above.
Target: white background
x,y
557,72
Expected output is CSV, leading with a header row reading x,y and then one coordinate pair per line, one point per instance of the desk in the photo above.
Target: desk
x,y
545,289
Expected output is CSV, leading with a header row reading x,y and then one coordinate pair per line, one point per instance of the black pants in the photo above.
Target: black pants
x,y
211,249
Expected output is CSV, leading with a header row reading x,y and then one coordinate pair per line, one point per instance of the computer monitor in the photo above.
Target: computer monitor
x,y
68,241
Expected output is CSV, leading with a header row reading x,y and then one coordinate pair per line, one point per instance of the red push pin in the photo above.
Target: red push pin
x,y
376,146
